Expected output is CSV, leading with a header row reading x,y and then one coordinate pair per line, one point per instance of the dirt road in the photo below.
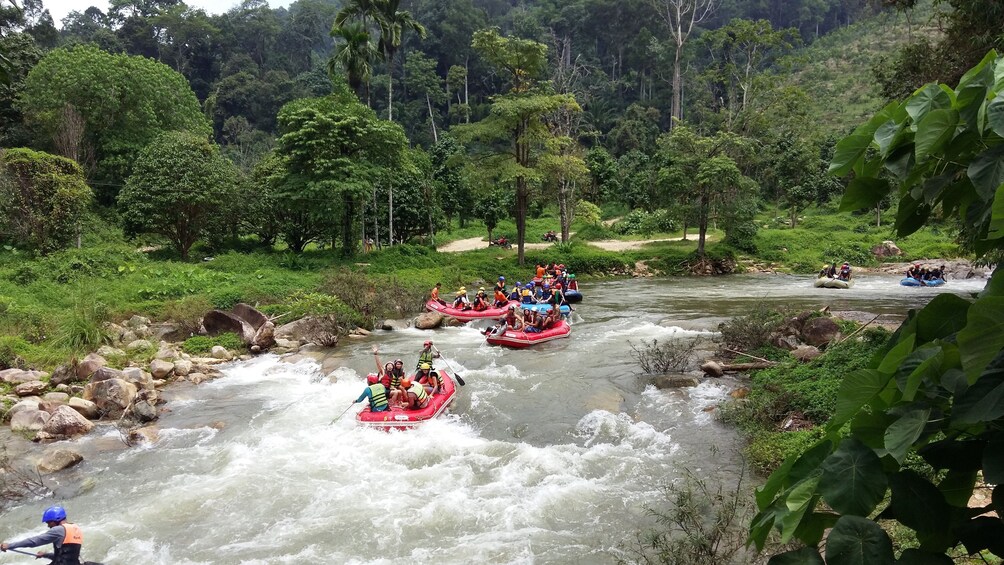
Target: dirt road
x,y
606,244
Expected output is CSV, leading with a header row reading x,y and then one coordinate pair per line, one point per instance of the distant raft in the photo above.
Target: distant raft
x,y
544,308
573,296
910,281
825,282
521,339
467,315
399,418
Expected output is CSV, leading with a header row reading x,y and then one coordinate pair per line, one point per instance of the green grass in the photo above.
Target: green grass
x,y
825,236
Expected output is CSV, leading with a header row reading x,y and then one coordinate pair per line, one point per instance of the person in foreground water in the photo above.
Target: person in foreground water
x,y
66,539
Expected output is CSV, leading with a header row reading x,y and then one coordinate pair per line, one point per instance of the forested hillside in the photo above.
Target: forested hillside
x,y
619,103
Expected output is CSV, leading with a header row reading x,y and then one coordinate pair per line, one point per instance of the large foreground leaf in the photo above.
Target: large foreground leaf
x,y
858,541
852,481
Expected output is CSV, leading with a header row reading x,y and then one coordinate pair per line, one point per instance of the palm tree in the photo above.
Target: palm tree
x,y
393,23
355,53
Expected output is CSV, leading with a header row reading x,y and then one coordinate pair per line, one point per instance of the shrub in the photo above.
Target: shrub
x,y
200,344
594,232
668,357
83,328
188,312
588,213
630,224
754,329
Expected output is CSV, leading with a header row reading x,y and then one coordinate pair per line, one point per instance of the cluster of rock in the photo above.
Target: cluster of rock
x,y
253,327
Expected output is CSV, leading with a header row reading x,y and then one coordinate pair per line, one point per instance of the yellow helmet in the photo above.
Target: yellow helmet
x,y
425,366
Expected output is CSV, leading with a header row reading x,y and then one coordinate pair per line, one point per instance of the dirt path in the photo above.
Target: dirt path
x,y
607,244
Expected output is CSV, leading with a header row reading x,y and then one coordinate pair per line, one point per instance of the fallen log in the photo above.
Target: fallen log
x,y
739,367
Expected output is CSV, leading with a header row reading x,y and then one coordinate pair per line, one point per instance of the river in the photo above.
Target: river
x,y
550,455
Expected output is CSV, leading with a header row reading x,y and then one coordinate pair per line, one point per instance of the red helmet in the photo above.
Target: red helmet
x,y
372,378
427,343
406,383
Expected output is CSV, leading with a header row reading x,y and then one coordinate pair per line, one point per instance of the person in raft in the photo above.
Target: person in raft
x,y
511,321
517,292
390,378
66,539
500,299
845,272
540,272
426,355
551,319
461,302
572,283
376,393
435,294
415,397
500,284
527,294
535,324
429,378
481,300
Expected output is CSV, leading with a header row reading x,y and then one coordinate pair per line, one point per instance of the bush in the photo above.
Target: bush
x,y
594,232
83,329
668,357
753,330
200,344
588,213
188,312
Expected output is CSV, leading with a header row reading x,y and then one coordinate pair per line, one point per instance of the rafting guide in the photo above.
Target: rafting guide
x,y
66,539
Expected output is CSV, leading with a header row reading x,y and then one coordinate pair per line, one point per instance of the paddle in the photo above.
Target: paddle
x,y
455,373
339,417
23,552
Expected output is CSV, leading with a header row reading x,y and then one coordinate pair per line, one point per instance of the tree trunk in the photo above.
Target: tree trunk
x,y
702,226
390,214
432,119
376,220
522,145
878,215
467,94
348,213
677,95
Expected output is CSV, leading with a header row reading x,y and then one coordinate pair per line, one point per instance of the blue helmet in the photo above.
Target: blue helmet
x,y
54,514
547,285
501,278
529,285
519,283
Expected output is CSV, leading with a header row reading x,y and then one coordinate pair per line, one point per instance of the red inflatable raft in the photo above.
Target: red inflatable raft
x,y
467,315
399,418
520,339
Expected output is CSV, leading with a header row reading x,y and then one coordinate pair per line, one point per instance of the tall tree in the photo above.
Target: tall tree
x,y
514,134
42,198
124,101
680,17
333,149
179,188
393,23
355,54
421,78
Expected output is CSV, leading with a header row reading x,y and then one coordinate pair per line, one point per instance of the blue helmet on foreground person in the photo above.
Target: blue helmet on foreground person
x,y
54,514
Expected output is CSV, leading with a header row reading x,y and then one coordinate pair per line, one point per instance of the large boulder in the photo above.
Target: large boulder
x,y
64,374
106,373
18,376
264,336
143,410
57,460
139,377
160,368
86,408
30,403
712,368
29,420
112,396
148,434
886,249
67,422
220,352
218,322
89,364
297,330
819,331
428,320
138,321
674,381
249,314
182,367
138,345
805,353
30,388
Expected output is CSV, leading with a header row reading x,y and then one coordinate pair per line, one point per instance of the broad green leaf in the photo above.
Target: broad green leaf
x,y
857,389
852,480
849,151
982,533
982,402
942,317
997,215
997,499
995,114
911,216
804,556
810,531
801,499
858,541
926,99
982,74
934,186
887,136
993,462
918,504
902,164
959,455
934,132
808,463
983,337
792,470
869,426
955,381
863,192
927,369
987,172
957,487
899,352
901,434
915,556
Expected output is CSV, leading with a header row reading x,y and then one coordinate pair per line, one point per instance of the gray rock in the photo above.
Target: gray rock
x,y
63,374
220,352
128,336
249,314
18,376
31,388
142,332
147,434
67,422
29,420
182,367
819,331
138,377
30,403
429,320
109,351
138,344
112,396
166,353
60,397
143,411
160,368
57,460
806,353
219,322
887,249
196,378
137,321
106,373
89,364
86,408
712,369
